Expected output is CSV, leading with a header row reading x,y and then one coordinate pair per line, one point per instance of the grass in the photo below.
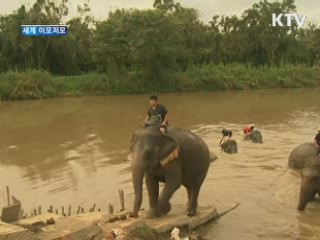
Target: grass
x,y
145,233
35,84
27,85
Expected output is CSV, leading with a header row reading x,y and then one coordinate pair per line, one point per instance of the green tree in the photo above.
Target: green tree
x,y
147,41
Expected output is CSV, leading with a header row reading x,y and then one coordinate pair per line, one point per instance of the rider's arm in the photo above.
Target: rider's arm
x,y
165,119
146,118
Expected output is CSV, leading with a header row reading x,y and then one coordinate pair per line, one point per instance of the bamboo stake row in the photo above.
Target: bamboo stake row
x,y
51,209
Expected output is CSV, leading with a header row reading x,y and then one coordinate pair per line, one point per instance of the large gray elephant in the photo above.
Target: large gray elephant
x,y
229,146
255,136
298,156
305,159
176,158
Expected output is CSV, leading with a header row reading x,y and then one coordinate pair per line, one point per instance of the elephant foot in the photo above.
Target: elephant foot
x,y
164,208
133,215
152,213
191,211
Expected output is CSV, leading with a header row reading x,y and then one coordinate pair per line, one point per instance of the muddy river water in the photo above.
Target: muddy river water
x,y
71,150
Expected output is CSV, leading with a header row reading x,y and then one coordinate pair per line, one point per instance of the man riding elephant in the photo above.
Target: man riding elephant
x,y
176,158
251,134
227,144
157,114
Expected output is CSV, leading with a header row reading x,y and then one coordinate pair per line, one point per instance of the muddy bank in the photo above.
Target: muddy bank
x,y
104,226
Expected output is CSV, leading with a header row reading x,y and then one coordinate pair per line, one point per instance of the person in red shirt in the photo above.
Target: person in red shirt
x,y
248,129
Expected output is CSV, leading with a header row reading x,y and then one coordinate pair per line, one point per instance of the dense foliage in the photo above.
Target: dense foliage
x,y
168,45
156,42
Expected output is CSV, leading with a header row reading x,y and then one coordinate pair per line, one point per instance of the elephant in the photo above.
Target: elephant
x,y
310,181
305,159
255,136
177,157
298,156
229,146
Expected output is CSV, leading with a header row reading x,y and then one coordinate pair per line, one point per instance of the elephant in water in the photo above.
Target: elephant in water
x,y
305,159
255,136
176,158
229,146
297,158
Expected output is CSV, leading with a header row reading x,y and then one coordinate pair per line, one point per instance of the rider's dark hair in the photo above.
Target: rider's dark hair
x,y
153,97
224,131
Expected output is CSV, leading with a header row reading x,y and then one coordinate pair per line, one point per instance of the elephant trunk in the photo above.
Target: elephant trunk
x,y
307,193
137,178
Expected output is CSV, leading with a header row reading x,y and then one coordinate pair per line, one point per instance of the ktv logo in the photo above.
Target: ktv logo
x,y
291,17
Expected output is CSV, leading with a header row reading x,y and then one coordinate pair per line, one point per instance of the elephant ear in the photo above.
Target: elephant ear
x,y
134,137
132,143
170,150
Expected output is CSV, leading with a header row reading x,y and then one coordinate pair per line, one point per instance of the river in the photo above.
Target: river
x,y
72,150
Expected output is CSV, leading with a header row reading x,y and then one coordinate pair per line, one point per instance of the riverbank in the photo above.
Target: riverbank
x,y
40,84
103,226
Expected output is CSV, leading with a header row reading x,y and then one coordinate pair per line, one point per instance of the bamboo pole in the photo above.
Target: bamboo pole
x,y
69,211
8,195
79,209
111,210
39,210
62,211
121,196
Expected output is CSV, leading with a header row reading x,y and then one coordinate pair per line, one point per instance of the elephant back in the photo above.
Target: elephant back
x,y
255,136
230,146
299,156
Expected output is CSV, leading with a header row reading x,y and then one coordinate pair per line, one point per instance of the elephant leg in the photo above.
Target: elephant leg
x,y
189,195
153,192
307,193
172,183
193,201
